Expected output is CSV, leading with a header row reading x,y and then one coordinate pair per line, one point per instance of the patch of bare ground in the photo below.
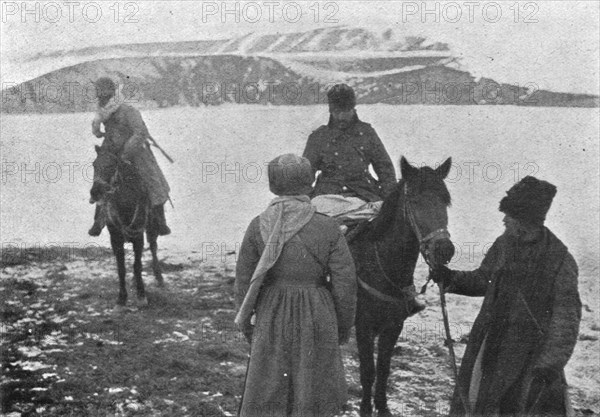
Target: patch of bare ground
x,y
65,352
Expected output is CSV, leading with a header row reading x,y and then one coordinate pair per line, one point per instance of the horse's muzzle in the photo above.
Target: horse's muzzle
x,y
97,191
443,251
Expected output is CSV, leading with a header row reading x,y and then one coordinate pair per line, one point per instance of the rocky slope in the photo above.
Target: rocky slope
x,y
281,69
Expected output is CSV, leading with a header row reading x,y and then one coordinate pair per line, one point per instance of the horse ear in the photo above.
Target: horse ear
x,y
97,148
406,169
444,169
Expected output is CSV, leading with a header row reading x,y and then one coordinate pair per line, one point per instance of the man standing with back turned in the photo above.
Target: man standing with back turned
x,y
527,328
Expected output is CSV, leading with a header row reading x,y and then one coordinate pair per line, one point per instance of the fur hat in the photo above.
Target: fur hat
x,y
341,96
528,200
105,87
290,174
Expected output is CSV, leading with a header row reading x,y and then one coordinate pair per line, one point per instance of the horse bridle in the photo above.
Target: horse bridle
x,y
128,230
437,234
424,241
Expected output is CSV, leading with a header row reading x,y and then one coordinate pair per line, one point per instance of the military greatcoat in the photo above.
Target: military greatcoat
x,y
296,366
127,135
344,156
529,320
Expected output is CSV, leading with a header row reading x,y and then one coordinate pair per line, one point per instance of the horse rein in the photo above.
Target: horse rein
x,y
128,230
423,242
441,233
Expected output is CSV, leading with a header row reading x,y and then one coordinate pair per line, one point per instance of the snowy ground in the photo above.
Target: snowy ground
x,y
219,183
219,179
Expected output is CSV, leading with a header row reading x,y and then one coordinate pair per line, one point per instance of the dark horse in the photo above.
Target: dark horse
x,y
129,214
413,220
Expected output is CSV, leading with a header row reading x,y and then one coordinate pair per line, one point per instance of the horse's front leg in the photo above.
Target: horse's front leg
x,y
365,339
385,347
138,250
152,235
117,243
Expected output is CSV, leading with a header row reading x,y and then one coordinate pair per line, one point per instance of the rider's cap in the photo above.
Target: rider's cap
x,y
290,174
342,97
105,87
529,200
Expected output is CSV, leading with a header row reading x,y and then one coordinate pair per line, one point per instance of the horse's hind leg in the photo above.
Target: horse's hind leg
x,y
117,242
138,249
365,339
152,238
385,347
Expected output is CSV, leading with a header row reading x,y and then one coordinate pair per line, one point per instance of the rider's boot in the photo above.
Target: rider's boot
x,y
159,213
99,220
354,230
415,302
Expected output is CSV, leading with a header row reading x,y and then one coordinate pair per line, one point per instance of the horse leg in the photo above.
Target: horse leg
x,y
138,250
365,339
152,240
385,347
117,242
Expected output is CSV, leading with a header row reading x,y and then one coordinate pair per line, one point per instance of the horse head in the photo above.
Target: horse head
x,y
105,167
417,210
425,200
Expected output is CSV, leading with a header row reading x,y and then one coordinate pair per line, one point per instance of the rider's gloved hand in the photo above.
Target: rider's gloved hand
x,y
442,275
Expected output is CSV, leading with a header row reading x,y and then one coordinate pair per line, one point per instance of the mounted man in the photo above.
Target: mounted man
x,y
343,150
126,135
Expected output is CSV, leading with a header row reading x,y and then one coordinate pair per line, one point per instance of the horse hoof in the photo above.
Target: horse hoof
x,y
119,309
142,302
384,413
366,410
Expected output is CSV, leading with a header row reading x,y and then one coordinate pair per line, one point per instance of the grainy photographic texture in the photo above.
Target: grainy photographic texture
x,y
212,91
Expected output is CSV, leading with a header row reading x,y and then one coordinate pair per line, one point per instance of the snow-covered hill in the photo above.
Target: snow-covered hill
x,y
289,68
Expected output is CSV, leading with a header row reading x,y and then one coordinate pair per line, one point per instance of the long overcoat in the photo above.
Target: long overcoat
x,y
295,366
127,135
529,319
344,156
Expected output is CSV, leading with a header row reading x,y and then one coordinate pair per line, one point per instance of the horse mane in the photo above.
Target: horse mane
x,y
428,180
387,214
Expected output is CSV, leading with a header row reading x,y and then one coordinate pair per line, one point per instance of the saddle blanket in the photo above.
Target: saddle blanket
x,y
346,209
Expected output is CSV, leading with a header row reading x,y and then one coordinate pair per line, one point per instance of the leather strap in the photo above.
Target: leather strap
x,y
378,294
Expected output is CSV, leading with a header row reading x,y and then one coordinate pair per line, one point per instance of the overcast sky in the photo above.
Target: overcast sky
x,y
553,44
